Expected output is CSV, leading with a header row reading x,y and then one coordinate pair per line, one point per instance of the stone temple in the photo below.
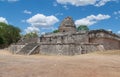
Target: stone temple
x,y
68,41
67,25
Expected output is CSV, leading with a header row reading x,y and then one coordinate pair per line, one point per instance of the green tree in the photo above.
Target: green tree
x,y
31,35
8,34
82,27
1,40
55,31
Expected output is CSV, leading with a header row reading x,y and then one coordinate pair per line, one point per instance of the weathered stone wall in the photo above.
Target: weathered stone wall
x,y
70,43
24,41
67,49
78,37
15,48
109,44
109,40
78,42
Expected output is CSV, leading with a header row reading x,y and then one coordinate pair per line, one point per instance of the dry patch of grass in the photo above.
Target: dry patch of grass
x,y
108,52
4,52
87,65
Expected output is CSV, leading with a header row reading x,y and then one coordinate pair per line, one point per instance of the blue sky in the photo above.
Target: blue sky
x,y
45,15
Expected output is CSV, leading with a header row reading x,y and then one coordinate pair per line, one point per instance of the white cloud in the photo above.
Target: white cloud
x,y
103,2
49,28
117,12
109,30
40,20
10,0
66,7
92,19
58,14
32,29
77,2
27,12
2,19
118,32
43,33
97,3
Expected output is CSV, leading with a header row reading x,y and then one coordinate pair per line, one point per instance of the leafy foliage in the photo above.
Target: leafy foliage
x,y
82,27
31,35
55,31
8,34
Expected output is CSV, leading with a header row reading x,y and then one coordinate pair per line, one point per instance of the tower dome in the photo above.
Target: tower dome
x,y
67,25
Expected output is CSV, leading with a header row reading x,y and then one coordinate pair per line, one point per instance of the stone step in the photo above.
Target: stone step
x,y
27,49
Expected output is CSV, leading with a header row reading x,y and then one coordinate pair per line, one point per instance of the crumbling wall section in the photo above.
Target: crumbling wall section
x,y
15,48
78,37
109,40
109,44
67,49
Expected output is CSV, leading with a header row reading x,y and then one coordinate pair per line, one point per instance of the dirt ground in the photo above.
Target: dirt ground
x,y
88,65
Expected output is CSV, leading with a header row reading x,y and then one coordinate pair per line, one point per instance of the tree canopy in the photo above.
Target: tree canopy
x,y
82,27
8,34
55,31
31,35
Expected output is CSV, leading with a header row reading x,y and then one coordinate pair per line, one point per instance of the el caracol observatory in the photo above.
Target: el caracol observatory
x,y
68,41
67,25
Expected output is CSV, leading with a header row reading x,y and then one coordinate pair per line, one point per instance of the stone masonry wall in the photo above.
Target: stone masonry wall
x,y
78,42
24,41
77,37
109,44
67,49
109,40
15,48
72,43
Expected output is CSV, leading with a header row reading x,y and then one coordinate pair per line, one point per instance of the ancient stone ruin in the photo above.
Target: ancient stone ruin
x,y
67,25
68,41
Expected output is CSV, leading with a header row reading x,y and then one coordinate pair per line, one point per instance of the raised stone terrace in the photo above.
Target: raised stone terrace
x,y
68,41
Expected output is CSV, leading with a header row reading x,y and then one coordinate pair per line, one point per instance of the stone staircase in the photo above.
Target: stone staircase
x,y
30,48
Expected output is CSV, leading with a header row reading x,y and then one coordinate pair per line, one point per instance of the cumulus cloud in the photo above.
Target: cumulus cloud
x,y
2,19
32,29
103,2
118,32
97,3
40,20
27,12
92,19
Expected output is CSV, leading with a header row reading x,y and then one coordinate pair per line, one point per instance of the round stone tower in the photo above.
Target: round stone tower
x,y
67,25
